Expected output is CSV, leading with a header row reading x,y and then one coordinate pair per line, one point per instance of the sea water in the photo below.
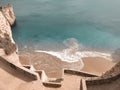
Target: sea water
x,y
48,24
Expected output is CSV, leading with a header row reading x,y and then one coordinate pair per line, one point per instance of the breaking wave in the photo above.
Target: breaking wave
x,y
73,54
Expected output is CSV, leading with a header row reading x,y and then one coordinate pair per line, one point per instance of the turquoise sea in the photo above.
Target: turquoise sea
x,y
47,24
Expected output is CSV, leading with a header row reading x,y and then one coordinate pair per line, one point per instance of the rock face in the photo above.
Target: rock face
x,y
8,48
9,14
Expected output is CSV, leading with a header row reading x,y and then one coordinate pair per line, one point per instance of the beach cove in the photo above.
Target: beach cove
x,y
53,59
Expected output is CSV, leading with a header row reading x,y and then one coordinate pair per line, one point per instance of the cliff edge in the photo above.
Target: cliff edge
x,y
8,48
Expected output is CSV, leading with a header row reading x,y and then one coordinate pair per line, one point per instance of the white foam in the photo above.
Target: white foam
x,y
79,55
72,53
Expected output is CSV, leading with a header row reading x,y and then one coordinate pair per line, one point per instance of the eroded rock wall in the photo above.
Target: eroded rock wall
x,y
9,14
8,48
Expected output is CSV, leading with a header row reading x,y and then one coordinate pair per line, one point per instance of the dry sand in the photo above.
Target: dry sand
x,y
97,65
10,80
51,64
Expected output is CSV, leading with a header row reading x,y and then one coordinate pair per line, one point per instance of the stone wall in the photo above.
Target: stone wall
x,y
91,80
79,73
83,85
107,78
48,81
23,71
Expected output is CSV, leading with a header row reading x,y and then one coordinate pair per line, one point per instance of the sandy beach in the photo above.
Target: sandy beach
x,y
53,68
97,65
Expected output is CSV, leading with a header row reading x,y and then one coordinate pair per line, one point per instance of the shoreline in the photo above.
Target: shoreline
x,y
61,48
82,54
96,65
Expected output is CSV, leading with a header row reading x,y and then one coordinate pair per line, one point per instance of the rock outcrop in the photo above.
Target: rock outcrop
x,y
8,48
9,14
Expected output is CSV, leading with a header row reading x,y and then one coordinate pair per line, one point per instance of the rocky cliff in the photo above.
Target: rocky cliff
x,y
8,48
9,14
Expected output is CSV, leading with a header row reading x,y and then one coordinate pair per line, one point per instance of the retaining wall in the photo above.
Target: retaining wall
x,y
79,73
102,80
46,80
22,70
83,84
93,79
